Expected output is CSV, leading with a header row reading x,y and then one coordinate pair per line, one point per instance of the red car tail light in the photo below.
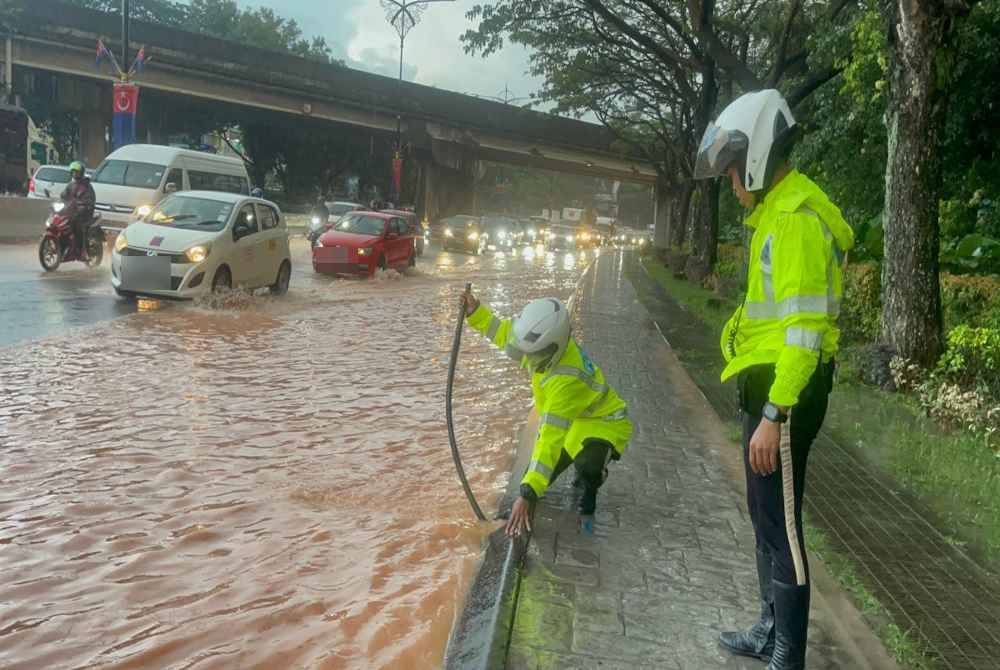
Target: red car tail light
x,y
31,185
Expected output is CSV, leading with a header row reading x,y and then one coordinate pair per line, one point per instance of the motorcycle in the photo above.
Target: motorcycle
x,y
317,226
58,244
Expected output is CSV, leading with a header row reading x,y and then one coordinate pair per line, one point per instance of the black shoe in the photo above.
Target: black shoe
x,y
791,622
758,642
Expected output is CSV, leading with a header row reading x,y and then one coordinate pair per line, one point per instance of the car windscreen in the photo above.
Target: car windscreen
x,y
339,209
360,224
130,173
53,174
182,211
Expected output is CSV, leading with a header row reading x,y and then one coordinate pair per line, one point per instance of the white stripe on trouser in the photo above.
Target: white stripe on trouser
x,y
788,500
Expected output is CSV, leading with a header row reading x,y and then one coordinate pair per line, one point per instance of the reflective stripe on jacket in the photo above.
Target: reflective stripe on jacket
x,y
799,244
572,399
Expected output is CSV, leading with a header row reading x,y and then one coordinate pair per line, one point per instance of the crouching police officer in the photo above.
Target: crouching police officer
x,y
582,420
781,343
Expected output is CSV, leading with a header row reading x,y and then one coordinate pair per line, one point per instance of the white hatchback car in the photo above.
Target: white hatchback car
x,y
194,242
48,182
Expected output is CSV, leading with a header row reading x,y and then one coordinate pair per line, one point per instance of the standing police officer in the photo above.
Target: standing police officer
x,y
781,343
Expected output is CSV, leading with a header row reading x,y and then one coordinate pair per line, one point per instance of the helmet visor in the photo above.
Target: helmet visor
x,y
719,149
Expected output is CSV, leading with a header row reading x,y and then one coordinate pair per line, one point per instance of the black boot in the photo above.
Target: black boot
x,y
791,616
758,642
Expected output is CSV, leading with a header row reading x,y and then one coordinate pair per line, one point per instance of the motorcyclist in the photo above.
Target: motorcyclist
x,y
319,218
781,345
79,198
582,421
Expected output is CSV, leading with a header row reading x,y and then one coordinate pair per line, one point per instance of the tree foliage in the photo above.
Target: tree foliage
x,y
260,27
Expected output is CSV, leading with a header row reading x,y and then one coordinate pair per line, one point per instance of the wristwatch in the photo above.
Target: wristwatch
x,y
773,413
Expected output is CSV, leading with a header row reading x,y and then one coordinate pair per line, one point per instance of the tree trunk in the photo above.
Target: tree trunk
x,y
705,229
911,299
682,215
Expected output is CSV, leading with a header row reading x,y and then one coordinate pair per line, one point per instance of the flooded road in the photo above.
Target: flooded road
x,y
262,483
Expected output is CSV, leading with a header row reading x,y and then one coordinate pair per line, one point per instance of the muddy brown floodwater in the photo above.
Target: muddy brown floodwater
x,y
261,483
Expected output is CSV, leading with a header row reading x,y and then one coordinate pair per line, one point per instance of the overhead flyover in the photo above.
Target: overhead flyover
x,y
454,128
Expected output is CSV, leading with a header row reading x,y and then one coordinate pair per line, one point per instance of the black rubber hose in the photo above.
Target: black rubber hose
x,y
455,345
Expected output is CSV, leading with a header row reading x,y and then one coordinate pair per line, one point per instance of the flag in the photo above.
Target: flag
x,y
125,106
102,52
140,61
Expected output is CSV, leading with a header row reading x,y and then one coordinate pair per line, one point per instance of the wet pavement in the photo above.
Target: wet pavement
x,y
671,562
935,592
255,482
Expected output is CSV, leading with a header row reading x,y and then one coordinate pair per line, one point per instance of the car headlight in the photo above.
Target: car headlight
x,y
569,238
448,233
586,236
198,253
58,207
121,243
531,232
473,236
502,235
365,251
142,211
315,220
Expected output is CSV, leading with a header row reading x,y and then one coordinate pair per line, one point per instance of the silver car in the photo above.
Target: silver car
x,y
48,182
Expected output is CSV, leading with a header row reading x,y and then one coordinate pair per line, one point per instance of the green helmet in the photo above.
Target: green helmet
x,y
77,166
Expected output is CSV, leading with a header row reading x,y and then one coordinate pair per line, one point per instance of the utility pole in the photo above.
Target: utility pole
x,y
403,15
126,11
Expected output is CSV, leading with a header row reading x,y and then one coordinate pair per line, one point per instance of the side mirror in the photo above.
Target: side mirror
x,y
47,194
240,230
171,187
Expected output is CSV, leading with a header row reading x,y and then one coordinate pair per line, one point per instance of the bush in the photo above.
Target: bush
x,y
862,302
973,299
972,358
730,264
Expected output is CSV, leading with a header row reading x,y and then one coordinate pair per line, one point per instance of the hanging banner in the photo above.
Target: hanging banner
x,y
397,178
125,105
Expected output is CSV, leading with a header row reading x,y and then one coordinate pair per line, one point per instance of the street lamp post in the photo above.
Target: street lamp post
x,y
403,15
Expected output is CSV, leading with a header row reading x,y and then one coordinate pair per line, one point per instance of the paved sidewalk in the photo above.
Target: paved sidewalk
x,y
671,562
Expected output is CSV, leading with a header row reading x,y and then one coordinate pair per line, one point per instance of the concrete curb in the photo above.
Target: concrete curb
x,y
480,638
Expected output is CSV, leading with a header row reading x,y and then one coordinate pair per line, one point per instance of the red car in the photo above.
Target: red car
x,y
363,242
416,229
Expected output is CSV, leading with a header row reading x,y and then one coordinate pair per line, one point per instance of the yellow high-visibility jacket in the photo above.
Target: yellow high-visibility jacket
x,y
573,401
800,242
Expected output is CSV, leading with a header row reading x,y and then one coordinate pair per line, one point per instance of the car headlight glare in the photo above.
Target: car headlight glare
x,y
142,211
473,236
448,233
58,207
365,251
121,243
197,253
569,238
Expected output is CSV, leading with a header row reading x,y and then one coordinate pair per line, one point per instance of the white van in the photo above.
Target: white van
x,y
142,174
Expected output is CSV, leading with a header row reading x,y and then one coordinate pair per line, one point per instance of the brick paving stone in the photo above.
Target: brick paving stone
x,y
670,564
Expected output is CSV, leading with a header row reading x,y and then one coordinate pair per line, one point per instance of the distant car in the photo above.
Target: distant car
x,y
560,236
503,231
48,182
362,243
464,233
199,241
417,230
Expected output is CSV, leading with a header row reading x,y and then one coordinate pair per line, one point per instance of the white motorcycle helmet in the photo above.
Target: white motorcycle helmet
x,y
541,333
746,134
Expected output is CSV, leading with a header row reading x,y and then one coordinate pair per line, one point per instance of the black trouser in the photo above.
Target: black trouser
x,y
79,225
767,496
590,464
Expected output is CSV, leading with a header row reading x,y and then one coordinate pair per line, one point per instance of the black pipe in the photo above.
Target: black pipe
x,y
455,345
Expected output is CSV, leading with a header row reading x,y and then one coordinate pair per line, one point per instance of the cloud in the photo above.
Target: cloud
x,y
358,32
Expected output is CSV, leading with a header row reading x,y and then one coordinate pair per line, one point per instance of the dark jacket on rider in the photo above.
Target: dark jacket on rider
x,y
79,198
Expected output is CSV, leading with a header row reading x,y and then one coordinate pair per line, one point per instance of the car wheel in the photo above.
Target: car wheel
x,y
412,262
280,286
223,280
128,296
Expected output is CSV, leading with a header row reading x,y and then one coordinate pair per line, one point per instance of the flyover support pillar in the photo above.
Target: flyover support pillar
x,y
7,86
661,216
93,138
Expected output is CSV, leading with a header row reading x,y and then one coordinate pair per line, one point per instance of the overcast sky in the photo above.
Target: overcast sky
x,y
358,32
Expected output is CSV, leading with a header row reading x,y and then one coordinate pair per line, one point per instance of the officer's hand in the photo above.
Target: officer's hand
x,y
764,447
520,517
470,302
